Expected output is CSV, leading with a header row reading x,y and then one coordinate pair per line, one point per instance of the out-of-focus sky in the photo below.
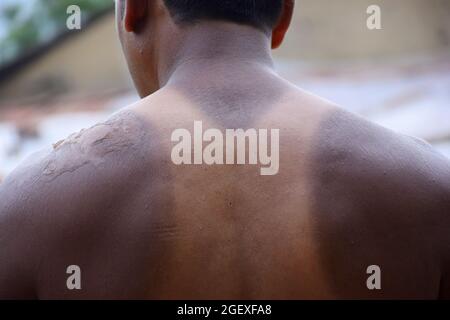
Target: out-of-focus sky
x,y
4,27
27,24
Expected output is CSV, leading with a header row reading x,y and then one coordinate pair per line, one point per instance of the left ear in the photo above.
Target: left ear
x,y
135,14
283,24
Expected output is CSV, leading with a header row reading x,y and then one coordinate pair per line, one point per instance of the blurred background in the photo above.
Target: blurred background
x,y
55,81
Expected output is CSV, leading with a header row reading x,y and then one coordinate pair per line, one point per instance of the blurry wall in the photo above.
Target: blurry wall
x,y
87,62
92,61
336,29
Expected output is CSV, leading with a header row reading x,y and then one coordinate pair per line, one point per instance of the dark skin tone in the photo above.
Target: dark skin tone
x,y
349,194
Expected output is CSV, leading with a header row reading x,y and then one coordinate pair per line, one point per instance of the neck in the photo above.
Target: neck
x,y
219,46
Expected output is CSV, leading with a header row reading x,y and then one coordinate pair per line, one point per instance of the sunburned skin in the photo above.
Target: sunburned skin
x,y
90,146
348,194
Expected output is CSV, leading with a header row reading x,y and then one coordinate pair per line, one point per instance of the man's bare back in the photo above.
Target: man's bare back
x,y
348,195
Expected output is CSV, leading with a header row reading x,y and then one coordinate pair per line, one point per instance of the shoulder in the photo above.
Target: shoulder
x,y
358,148
77,167
100,149
74,183
386,169
381,197
363,163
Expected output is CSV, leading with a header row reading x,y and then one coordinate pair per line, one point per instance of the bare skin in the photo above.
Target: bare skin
x,y
349,194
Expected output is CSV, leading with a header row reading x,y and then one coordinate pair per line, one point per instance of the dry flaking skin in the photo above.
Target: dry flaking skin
x,y
91,146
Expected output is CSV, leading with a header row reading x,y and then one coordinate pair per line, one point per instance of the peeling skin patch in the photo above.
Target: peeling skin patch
x,y
54,171
56,145
91,146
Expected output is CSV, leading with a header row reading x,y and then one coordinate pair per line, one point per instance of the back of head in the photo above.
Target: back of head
x,y
263,14
154,33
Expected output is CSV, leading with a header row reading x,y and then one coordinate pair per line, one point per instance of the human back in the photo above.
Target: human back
x,y
332,202
148,207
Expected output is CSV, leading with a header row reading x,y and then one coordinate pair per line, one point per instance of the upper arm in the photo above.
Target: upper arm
x,y
59,196
388,184
18,248
428,181
444,238
438,190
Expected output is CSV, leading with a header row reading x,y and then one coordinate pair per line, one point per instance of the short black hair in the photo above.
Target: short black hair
x,y
263,14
